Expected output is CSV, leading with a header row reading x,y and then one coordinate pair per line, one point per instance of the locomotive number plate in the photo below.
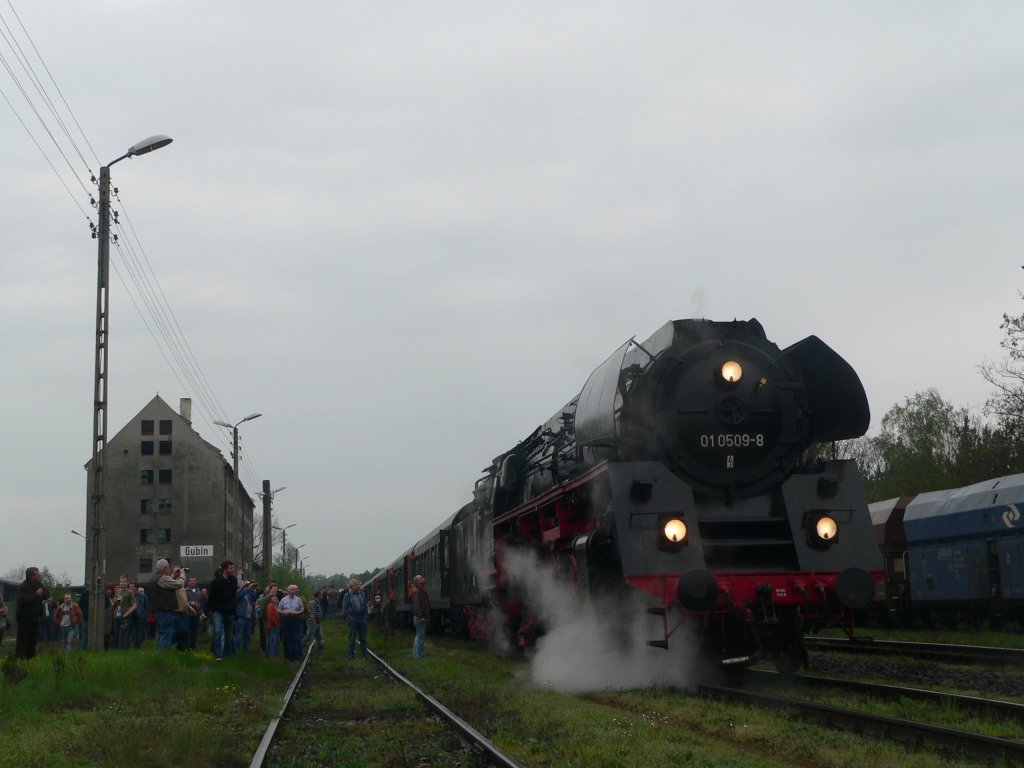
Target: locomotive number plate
x,y
737,440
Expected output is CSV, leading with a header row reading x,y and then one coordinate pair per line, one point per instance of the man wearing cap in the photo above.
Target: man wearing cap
x,y
169,607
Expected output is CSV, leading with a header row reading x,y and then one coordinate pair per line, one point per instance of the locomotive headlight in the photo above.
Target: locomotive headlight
x,y
675,530
732,371
672,532
822,530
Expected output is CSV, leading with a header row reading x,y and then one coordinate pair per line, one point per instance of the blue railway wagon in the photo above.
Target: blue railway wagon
x,y
964,549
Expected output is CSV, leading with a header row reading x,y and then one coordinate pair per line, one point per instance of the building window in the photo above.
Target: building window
x,y
145,565
163,535
165,447
165,426
146,536
146,477
147,426
146,506
147,447
165,506
165,477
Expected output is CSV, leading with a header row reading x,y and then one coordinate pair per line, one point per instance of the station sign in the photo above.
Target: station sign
x,y
197,550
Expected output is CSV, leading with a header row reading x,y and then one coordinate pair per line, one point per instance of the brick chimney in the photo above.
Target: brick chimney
x,y
186,409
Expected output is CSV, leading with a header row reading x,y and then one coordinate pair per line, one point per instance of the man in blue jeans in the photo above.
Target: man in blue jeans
x,y
169,607
220,606
353,609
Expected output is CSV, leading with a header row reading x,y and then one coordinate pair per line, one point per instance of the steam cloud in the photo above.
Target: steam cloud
x,y
595,644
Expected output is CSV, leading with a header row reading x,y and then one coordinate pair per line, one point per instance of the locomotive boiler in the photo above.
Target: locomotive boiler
x,y
678,470
677,479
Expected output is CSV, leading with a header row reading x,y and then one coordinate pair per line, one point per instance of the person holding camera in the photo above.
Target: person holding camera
x,y
170,606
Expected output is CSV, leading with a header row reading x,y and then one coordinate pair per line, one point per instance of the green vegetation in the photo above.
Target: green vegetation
x,y
156,708
130,708
354,717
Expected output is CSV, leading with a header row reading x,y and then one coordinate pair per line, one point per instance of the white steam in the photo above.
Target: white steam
x,y
595,644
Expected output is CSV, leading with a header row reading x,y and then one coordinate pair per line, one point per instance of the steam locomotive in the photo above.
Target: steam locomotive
x,y
676,476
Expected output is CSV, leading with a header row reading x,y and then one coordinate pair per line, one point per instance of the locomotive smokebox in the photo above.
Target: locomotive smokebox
x,y
855,588
697,590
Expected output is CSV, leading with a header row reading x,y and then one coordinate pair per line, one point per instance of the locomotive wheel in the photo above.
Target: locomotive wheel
x,y
788,665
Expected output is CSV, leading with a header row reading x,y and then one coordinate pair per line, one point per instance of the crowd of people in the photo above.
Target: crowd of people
x,y
178,612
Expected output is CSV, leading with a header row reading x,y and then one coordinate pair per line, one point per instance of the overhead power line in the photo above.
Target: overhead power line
x,y
55,118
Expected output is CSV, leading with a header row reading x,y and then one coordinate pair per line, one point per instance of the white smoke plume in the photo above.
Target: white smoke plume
x,y
599,644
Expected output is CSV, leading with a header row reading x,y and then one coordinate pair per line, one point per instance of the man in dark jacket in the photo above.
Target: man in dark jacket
x,y
30,598
220,606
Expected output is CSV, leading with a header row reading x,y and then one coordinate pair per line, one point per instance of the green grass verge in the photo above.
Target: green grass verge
x,y
127,708
358,719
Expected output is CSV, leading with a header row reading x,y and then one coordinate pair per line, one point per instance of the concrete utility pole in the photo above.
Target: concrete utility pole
x,y
284,542
268,558
268,526
238,482
96,549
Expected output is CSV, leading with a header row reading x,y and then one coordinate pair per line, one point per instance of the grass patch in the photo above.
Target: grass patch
x,y
146,707
650,727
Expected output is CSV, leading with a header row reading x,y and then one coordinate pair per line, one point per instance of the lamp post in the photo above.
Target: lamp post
x,y
284,543
238,483
268,503
297,554
79,534
97,554
302,567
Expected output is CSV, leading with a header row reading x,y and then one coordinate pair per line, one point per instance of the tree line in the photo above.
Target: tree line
x,y
926,443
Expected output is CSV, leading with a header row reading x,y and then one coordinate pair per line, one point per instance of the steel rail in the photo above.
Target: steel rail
x,y
466,731
966,654
895,729
1010,709
260,757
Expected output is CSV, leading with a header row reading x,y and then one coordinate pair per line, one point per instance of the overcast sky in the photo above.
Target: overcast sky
x,y
407,232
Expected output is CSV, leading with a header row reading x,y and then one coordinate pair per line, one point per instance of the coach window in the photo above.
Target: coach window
x,y
147,447
147,426
165,447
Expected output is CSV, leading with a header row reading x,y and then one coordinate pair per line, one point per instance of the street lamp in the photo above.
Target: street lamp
x,y
97,564
302,567
284,543
238,482
297,554
79,534
267,535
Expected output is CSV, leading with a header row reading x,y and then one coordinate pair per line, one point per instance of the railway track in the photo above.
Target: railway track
x,y
999,750
960,654
466,732
1011,710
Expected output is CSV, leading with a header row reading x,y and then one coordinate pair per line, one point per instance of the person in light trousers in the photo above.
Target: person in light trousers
x,y
420,614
